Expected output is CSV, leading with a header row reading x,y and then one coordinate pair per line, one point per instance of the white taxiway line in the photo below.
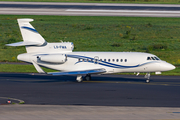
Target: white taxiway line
x,y
129,11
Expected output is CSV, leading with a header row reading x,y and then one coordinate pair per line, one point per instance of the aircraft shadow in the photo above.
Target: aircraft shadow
x,y
38,78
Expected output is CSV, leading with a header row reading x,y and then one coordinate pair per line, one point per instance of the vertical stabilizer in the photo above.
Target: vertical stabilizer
x,y
35,43
29,33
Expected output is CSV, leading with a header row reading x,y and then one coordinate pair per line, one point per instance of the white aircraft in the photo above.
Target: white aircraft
x,y
59,56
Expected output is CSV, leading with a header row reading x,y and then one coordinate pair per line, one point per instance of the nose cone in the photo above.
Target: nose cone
x,y
166,66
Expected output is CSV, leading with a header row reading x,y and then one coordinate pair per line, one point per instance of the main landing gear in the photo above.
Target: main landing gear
x,y
87,77
80,78
147,76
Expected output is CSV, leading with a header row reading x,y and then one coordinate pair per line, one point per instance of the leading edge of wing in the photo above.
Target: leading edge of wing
x,y
94,71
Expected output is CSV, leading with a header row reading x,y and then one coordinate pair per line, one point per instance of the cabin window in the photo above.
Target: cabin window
x,y
125,60
117,60
79,59
121,60
109,60
104,60
113,60
101,60
148,58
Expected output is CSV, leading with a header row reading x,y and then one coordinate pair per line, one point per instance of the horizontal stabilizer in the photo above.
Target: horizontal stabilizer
x,y
23,43
95,71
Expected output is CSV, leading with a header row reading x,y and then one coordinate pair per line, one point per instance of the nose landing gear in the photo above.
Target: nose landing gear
x,y
147,76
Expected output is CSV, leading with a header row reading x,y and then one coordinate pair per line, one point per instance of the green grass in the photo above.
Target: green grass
x,y
159,36
20,68
106,1
17,68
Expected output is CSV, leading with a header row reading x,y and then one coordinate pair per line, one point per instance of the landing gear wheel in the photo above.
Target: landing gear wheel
x,y
147,76
147,81
79,78
87,77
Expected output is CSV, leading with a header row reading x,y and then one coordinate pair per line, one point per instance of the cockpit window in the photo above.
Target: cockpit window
x,y
153,58
156,58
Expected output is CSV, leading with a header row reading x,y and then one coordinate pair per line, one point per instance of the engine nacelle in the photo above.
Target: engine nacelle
x,y
58,58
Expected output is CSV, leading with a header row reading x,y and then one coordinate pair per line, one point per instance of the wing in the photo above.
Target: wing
x,y
95,71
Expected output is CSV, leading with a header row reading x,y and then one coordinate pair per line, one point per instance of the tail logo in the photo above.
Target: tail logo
x,y
31,29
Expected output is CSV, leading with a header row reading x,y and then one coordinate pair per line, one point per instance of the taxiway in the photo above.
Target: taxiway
x,y
104,90
89,9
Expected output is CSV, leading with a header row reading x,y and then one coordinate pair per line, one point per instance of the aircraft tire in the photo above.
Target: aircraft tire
x,y
147,81
87,77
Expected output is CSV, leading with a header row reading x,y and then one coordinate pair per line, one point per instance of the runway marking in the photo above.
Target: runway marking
x,y
132,11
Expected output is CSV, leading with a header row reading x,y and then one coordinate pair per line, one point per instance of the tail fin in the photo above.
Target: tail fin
x,y
29,34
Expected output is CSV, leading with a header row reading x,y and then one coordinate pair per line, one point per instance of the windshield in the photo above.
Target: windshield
x,y
153,58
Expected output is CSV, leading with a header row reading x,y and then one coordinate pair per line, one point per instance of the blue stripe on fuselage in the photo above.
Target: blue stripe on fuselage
x,y
103,63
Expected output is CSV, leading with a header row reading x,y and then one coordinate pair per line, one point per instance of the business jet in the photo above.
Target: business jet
x,y
59,56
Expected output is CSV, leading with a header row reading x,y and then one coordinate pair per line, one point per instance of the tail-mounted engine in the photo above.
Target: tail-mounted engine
x,y
56,58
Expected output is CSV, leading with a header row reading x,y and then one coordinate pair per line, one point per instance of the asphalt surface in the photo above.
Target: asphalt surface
x,y
102,90
89,9
88,6
68,112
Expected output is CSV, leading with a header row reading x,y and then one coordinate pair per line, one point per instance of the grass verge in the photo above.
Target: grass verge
x,y
20,68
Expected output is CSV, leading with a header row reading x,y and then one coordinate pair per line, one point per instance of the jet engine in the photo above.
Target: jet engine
x,y
58,58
